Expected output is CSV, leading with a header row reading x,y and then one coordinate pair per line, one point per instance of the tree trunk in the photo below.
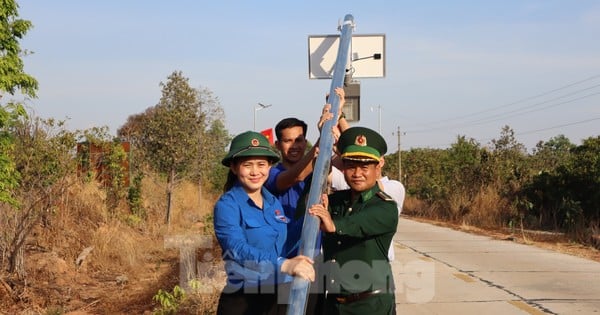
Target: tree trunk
x,y
17,262
168,215
200,189
16,255
170,184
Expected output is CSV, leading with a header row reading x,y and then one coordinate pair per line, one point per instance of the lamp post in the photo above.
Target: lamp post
x,y
256,109
378,109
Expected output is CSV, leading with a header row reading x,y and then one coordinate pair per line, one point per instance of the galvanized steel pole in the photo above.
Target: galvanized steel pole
x,y
310,230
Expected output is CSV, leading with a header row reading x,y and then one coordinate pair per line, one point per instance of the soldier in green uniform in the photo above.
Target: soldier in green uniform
x,y
358,226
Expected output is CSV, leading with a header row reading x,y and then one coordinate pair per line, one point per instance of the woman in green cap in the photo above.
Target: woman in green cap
x,y
251,226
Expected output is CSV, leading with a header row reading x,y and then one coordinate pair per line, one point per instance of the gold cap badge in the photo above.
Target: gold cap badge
x,y
361,140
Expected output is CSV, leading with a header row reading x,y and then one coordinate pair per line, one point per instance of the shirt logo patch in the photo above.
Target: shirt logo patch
x,y
280,217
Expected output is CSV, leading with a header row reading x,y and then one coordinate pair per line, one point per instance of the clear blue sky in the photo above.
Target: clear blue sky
x,y
453,67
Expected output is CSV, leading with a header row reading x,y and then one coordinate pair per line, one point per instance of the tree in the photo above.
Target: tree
x,y
9,176
566,197
424,180
508,162
213,141
585,179
210,170
43,158
12,79
182,137
463,166
549,155
169,135
12,76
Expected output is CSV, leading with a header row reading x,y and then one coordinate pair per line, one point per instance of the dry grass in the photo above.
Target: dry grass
x,y
190,208
70,227
487,213
204,299
416,207
458,206
118,248
133,249
486,209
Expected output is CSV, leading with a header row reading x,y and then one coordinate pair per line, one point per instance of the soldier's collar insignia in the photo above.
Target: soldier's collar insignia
x,y
361,140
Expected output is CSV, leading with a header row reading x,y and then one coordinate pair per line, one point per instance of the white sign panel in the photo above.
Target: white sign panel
x,y
368,55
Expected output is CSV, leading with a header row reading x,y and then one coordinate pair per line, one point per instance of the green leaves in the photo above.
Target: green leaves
x,y
184,133
170,134
12,75
555,187
9,175
12,78
181,137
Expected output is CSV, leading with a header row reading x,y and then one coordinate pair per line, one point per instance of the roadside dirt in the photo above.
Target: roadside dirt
x,y
56,286
552,241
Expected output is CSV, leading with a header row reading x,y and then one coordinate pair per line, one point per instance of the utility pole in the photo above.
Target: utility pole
x,y
399,157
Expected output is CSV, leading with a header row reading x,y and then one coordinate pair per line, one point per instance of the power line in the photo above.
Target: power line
x,y
523,109
558,126
544,129
518,101
520,111
525,132
492,119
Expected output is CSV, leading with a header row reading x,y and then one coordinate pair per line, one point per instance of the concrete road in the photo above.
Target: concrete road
x,y
442,271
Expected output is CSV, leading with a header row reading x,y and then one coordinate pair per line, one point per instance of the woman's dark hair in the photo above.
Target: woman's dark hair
x,y
231,179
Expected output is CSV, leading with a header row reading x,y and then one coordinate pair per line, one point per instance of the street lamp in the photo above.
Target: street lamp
x,y
379,109
256,109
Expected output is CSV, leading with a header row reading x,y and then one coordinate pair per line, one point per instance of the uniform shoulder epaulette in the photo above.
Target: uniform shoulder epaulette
x,y
384,196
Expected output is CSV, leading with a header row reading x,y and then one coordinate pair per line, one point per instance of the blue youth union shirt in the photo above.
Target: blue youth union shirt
x,y
289,200
251,238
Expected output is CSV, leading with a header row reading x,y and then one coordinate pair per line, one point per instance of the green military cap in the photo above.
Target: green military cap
x,y
361,144
250,143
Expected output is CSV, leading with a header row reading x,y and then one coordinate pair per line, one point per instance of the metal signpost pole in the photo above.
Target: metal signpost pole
x,y
310,230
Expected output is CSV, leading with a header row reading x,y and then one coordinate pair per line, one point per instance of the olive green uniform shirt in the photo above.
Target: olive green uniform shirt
x,y
356,253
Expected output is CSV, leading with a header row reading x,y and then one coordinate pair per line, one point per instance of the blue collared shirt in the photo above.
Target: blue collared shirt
x,y
251,238
289,199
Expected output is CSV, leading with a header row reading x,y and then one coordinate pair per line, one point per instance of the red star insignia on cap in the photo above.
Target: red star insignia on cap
x,y
361,140
254,142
